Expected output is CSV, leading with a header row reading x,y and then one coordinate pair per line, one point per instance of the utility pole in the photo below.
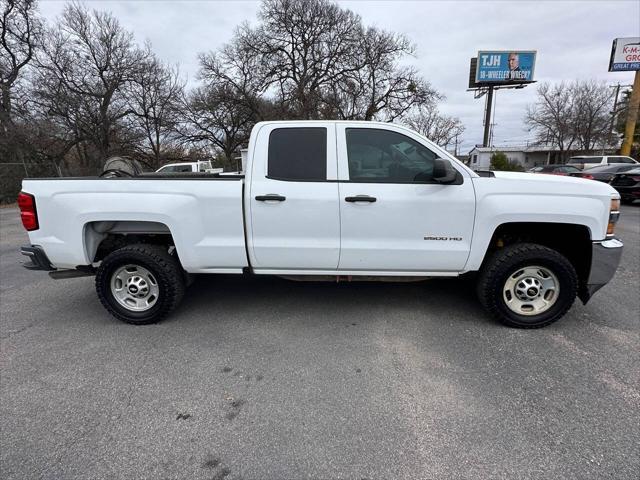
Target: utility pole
x,y
632,115
614,112
615,106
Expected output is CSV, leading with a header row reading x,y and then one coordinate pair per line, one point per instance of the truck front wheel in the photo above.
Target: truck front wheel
x,y
140,284
527,285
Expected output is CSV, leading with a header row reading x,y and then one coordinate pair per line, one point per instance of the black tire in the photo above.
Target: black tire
x,y
505,262
165,269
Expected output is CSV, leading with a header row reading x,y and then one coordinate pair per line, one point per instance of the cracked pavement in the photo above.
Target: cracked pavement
x,y
262,378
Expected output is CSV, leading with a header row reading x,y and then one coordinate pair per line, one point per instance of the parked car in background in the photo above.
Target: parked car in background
x,y
584,161
604,173
555,169
200,166
628,185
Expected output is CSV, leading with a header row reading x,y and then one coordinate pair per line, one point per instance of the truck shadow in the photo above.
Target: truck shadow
x,y
258,296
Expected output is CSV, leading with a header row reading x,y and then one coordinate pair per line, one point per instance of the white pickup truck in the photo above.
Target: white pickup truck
x,y
189,167
331,199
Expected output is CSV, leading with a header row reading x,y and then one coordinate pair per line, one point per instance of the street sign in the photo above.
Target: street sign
x,y
625,55
505,67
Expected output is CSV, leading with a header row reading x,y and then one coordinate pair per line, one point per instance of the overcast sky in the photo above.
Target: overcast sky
x,y
572,38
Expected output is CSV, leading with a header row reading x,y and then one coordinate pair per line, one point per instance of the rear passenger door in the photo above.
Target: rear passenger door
x,y
294,206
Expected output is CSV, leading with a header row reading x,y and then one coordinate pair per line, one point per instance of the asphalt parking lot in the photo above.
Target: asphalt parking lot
x,y
262,378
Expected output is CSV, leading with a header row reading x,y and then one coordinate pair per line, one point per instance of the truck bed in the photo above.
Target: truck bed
x,y
202,212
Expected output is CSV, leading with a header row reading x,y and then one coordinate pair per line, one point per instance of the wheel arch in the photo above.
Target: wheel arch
x,y
570,239
101,237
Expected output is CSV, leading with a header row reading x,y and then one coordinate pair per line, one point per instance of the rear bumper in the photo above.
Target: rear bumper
x,y
38,259
605,258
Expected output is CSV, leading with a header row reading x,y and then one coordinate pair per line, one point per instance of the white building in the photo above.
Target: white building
x,y
527,157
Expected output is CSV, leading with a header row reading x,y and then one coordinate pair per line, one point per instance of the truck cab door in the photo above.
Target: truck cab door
x,y
394,216
293,203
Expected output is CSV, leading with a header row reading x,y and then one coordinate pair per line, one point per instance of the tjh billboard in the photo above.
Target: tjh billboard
x,y
505,66
625,54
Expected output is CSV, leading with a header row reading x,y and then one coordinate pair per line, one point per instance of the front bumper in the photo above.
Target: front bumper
x,y
39,259
605,258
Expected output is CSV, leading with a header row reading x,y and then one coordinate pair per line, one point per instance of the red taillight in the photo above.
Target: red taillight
x,y
587,176
28,214
636,178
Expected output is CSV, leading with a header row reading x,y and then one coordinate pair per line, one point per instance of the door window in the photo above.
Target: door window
x,y
383,156
298,154
621,160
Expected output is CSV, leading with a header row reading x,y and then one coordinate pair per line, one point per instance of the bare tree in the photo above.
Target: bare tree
x,y
552,116
306,45
592,119
440,129
377,87
19,37
572,115
313,59
154,99
236,69
87,62
212,117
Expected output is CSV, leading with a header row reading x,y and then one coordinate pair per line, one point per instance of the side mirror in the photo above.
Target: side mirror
x,y
443,172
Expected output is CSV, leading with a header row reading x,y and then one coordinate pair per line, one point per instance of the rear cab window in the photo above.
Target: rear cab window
x,y
298,154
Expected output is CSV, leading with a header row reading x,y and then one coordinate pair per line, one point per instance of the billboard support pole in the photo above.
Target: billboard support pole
x,y
632,115
487,117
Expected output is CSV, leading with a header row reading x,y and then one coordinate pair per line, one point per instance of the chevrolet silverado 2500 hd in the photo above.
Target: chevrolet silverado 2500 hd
x,y
330,198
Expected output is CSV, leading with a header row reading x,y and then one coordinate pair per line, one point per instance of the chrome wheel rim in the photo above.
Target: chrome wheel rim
x,y
531,290
135,288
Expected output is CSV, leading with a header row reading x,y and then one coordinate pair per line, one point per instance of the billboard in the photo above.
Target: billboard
x,y
495,67
473,65
625,54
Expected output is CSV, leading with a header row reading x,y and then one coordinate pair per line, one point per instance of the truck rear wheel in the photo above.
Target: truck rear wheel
x,y
140,284
527,285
